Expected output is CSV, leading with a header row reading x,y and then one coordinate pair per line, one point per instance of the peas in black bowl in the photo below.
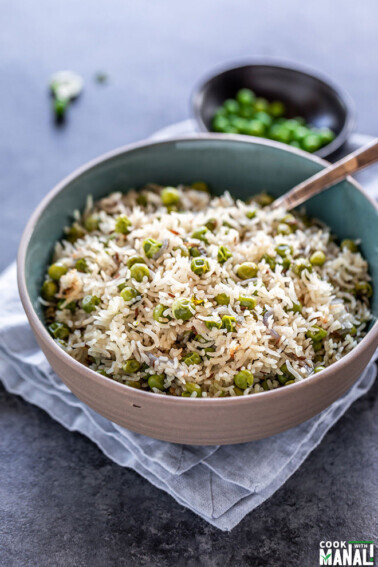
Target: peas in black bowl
x,y
256,116
307,101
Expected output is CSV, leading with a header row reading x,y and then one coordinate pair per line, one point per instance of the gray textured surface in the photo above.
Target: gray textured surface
x,y
62,503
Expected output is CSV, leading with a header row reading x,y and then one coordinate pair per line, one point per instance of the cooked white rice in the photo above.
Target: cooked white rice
x,y
264,339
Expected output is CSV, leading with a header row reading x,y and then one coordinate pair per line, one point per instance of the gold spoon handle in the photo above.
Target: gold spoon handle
x,y
329,176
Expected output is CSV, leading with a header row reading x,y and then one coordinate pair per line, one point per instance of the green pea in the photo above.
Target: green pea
x,y
284,229
245,97
201,186
264,118
248,302
318,369
223,254
261,105
122,225
129,293
264,385
172,209
295,144
301,264
284,250
316,334
238,391
48,290
300,133
246,111
297,307
220,123
280,133
222,299
311,143
326,135
318,346
74,233
263,199
194,251
363,289
156,381
228,323
270,261
247,270
286,263
183,309
102,372
285,376
91,223
277,108
291,221
213,324
211,224
59,330
226,223
89,303
151,247
131,366
142,200
200,233
231,130
133,384
200,266
71,306
254,128
251,214
243,379
139,271
240,124
231,106
192,387
289,382
81,265
135,260
170,196
350,245
318,258
57,270
183,251
157,313
291,124
191,358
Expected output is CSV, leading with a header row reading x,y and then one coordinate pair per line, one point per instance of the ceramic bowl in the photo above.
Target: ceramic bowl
x,y
244,167
304,92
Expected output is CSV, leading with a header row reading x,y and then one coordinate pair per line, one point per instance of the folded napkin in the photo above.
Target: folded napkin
x,y
229,481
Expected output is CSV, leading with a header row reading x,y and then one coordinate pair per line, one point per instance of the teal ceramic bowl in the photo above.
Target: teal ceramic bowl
x,y
243,167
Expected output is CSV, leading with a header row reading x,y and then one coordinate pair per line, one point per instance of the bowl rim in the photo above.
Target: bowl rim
x,y
279,63
76,367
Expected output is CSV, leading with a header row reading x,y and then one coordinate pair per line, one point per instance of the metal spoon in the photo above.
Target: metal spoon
x,y
329,176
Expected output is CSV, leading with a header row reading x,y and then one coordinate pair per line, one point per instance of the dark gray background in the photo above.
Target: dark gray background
x,y
62,503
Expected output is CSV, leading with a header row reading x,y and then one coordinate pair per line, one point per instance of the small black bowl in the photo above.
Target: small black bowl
x,y
318,100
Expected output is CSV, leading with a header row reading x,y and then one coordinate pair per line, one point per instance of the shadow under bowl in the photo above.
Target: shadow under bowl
x,y
245,167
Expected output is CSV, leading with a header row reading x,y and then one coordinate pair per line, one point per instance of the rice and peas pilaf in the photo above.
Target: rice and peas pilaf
x,y
173,291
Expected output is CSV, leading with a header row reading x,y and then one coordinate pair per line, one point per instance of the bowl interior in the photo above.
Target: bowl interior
x,y
243,167
321,104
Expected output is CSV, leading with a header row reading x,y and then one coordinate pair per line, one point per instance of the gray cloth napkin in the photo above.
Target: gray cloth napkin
x,y
220,484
